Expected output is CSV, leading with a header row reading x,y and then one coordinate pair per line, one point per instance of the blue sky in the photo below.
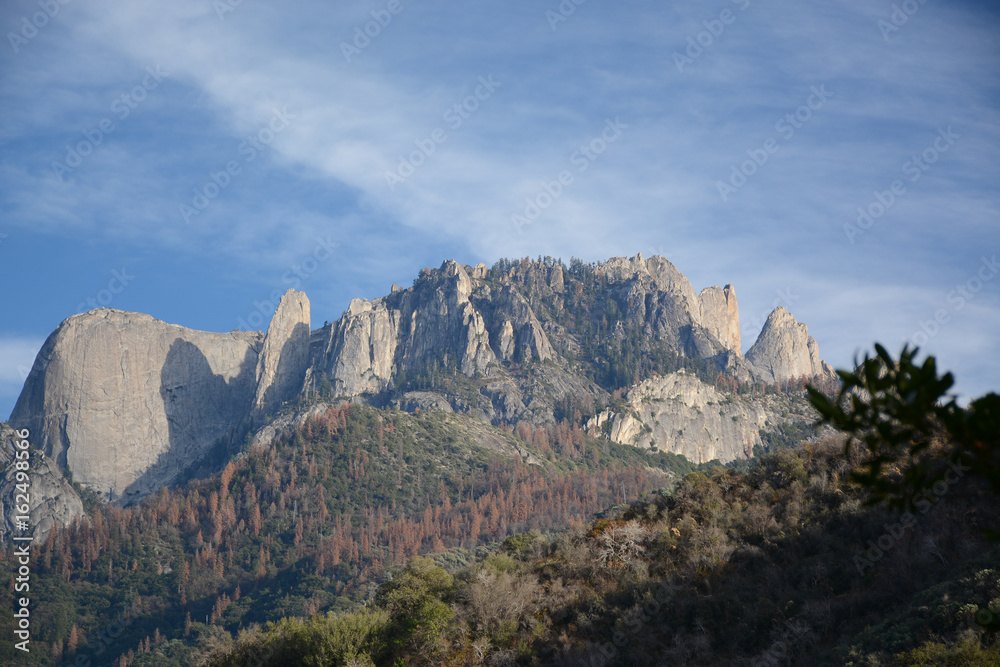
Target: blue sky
x,y
190,159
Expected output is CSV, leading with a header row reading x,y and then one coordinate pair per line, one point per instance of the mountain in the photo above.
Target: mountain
x,y
181,476
127,403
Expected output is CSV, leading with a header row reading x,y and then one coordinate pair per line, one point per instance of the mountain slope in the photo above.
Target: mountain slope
x,y
780,565
309,520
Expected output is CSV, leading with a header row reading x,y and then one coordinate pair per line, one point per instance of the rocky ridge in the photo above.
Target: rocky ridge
x,y
128,403
681,414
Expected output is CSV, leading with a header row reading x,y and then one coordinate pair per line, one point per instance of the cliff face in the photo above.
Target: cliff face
x,y
658,298
284,357
681,414
720,314
439,320
128,403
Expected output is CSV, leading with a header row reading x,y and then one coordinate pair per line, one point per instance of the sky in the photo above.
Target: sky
x,y
194,159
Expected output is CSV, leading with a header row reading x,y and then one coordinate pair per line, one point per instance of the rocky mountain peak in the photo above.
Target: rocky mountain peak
x,y
784,350
129,403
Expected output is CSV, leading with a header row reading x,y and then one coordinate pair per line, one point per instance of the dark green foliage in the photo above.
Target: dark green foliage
x,y
913,434
355,638
786,435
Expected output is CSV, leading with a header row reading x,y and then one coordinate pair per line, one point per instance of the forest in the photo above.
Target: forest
x,y
313,523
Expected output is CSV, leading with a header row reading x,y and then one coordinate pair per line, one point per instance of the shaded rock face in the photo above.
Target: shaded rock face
x,y
785,351
661,300
679,413
482,324
128,403
52,500
515,332
359,349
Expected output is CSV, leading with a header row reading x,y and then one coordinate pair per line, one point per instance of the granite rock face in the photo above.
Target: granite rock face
x,y
482,323
681,414
784,350
128,403
435,322
660,299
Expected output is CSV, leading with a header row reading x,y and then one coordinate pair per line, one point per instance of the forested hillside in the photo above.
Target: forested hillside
x,y
880,548
783,564
311,523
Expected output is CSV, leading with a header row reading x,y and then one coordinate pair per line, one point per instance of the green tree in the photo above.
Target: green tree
x,y
415,601
911,432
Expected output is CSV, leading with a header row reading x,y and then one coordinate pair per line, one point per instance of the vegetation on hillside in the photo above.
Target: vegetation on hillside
x,y
310,524
912,433
784,564
798,560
